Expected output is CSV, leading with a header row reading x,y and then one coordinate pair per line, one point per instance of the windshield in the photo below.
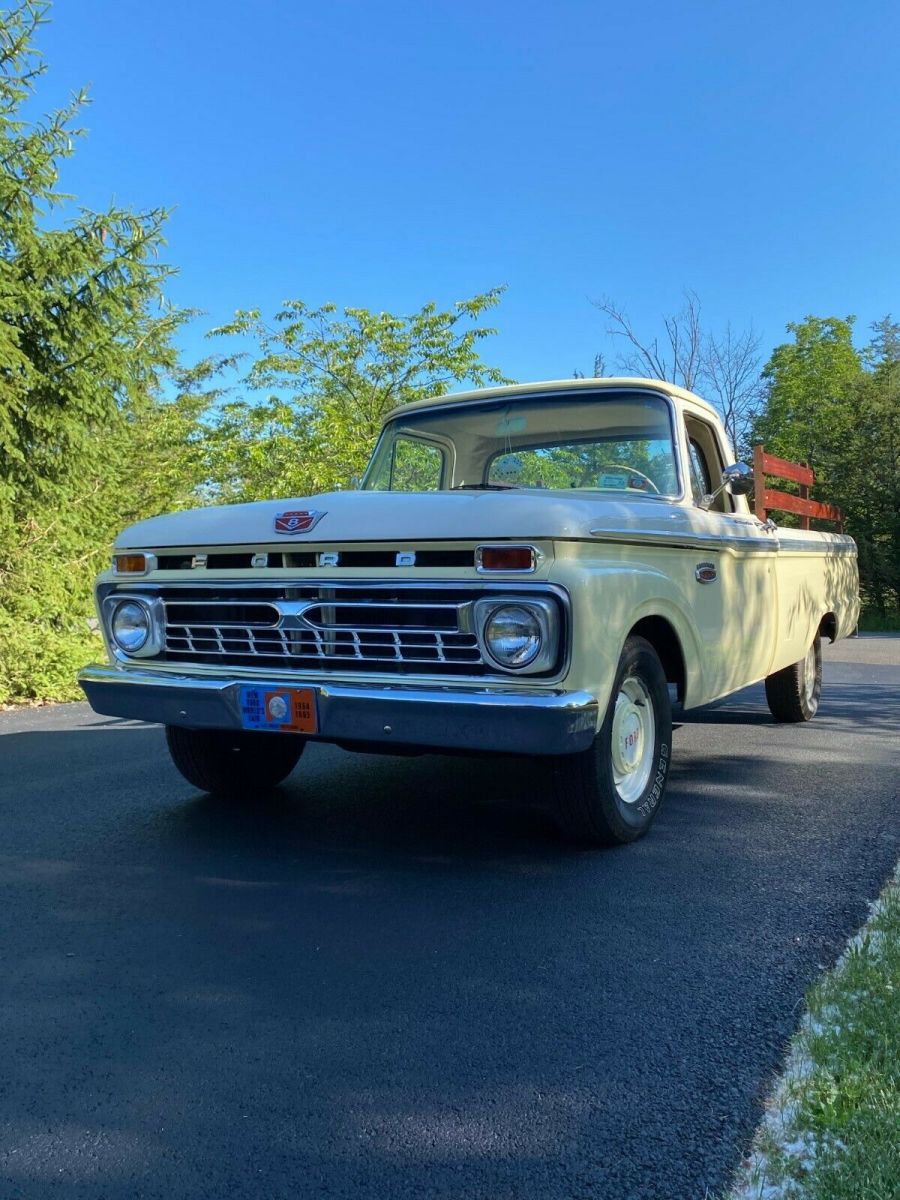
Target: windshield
x,y
599,442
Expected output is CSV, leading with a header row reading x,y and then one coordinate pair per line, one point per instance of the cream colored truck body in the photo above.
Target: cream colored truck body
x,y
620,562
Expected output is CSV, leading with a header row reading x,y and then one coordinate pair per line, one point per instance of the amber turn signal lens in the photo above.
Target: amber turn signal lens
x,y
506,558
130,564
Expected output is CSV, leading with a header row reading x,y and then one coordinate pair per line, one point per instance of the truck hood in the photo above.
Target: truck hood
x,y
406,517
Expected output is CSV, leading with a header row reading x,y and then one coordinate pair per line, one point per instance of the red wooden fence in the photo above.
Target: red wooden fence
x,y
768,498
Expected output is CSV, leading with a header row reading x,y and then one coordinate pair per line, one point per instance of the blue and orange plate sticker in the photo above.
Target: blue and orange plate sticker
x,y
279,710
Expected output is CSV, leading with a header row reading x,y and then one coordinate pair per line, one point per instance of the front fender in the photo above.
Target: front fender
x,y
608,600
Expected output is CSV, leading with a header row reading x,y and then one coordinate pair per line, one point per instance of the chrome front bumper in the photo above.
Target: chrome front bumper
x,y
524,721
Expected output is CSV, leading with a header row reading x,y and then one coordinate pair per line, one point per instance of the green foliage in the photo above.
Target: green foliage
x,y
51,554
839,410
330,379
809,381
85,347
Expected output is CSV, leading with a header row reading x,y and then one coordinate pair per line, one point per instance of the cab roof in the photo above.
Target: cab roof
x,y
553,388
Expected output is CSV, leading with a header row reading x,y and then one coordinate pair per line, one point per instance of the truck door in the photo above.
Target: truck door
x,y
736,610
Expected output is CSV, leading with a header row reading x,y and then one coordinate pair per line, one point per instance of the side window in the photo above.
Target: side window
x,y
700,482
415,466
706,464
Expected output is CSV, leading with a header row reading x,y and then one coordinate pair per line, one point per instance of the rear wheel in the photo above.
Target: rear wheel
x,y
610,794
793,693
233,762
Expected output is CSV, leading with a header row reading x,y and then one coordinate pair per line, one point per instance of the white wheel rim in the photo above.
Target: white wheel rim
x,y
633,739
809,674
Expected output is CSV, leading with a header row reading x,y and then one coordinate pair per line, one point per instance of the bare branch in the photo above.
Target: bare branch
x,y
726,366
730,370
678,362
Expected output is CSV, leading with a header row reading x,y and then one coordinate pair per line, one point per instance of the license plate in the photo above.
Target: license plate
x,y
280,710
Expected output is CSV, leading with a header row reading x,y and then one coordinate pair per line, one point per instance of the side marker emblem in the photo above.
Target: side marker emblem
x,y
706,572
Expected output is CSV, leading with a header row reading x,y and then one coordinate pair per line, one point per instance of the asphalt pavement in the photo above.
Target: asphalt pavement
x,y
394,979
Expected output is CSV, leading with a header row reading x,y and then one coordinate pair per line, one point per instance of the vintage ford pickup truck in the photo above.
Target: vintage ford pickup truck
x,y
537,570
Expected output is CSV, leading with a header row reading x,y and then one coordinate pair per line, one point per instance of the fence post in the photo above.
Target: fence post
x,y
759,482
804,495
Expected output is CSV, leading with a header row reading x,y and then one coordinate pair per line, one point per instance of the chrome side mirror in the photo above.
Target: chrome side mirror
x,y
737,478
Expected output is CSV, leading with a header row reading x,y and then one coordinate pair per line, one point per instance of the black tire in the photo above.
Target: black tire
x,y
793,693
233,763
590,804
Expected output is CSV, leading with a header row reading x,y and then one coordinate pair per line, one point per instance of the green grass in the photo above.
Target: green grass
x,y
832,1131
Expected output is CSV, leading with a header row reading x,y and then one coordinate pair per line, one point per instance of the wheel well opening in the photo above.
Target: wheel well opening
x,y
664,640
828,627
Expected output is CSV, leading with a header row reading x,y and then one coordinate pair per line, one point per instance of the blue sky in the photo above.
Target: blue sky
x,y
381,153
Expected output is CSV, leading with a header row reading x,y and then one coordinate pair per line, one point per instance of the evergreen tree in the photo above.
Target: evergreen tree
x,y
85,343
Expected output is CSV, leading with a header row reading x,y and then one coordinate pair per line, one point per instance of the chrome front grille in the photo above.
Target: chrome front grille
x,y
341,628
353,645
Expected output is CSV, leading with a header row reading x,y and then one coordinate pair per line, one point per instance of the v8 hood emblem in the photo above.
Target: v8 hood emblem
x,y
298,520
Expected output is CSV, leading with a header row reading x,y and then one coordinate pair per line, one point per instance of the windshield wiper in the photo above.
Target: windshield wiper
x,y
484,487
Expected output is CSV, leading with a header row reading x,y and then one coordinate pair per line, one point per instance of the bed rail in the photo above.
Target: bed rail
x,y
772,498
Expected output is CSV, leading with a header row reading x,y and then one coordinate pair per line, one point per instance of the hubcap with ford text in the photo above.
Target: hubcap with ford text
x,y
633,739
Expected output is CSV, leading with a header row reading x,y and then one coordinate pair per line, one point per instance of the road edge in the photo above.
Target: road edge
x,y
784,1151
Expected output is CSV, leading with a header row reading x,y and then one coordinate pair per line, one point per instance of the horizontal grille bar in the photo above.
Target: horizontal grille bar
x,y
228,615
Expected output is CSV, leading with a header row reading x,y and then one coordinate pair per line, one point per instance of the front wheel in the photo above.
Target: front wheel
x,y
793,693
233,763
610,793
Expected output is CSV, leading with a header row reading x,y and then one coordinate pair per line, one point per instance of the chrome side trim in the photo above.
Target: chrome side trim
x,y
666,539
809,546
511,721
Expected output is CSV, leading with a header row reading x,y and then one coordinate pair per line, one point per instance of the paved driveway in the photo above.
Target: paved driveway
x,y
394,980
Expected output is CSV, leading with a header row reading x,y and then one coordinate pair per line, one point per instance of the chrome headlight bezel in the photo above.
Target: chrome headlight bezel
x,y
153,610
542,610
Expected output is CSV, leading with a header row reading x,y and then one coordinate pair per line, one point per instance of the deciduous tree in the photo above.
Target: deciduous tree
x,y
330,378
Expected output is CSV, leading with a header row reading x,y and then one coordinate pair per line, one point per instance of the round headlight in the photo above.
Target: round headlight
x,y
512,634
130,626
